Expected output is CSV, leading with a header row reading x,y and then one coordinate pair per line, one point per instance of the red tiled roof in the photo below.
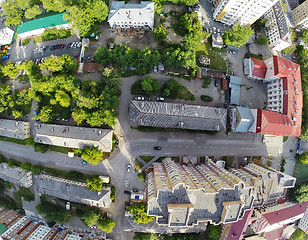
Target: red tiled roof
x,y
259,69
274,235
237,230
274,123
281,215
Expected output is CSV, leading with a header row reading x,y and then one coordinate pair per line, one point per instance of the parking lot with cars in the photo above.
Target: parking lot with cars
x,y
37,52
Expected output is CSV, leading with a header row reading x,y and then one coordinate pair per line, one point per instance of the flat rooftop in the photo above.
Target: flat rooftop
x,y
15,175
74,137
13,128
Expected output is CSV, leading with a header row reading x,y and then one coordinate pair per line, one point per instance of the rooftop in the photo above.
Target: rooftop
x,y
44,22
235,85
259,68
71,190
175,115
245,119
74,137
15,175
14,129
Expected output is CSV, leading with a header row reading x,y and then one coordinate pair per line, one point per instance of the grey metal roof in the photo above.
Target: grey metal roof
x,y
235,85
281,19
246,119
175,115
15,175
71,190
14,129
74,137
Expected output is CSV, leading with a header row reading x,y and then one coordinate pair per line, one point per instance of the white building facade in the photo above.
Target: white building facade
x,y
277,28
303,223
137,16
244,12
300,16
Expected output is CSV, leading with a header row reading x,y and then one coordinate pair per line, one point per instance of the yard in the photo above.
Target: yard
x,y
217,61
138,165
301,171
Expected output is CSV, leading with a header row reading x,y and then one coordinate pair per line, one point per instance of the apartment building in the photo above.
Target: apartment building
x,y
184,196
283,114
300,16
15,175
14,129
73,137
277,28
14,226
125,16
244,12
303,223
71,191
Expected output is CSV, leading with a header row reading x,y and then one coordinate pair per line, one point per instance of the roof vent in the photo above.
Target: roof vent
x,y
285,123
294,68
289,68
295,125
296,103
289,124
296,89
294,119
295,81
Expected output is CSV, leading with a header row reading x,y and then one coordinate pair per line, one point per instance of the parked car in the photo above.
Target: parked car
x,y
160,99
84,162
135,190
129,168
139,98
116,143
127,192
155,68
263,139
216,83
5,57
157,148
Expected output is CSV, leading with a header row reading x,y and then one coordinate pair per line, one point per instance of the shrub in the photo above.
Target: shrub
x,y
206,82
35,169
25,166
262,40
269,163
41,148
206,98
26,41
13,162
141,176
38,39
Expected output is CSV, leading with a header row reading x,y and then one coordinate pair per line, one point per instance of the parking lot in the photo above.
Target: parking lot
x,y
33,51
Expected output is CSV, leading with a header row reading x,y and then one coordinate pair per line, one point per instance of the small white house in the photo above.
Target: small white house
x,y
123,15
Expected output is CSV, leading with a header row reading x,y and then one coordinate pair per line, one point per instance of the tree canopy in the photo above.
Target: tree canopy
x,y
90,218
95,184
262,40
92,155
213,231
150,85
238,36
301,192
160,33
106,224
139,210
303,158
33,12
298,235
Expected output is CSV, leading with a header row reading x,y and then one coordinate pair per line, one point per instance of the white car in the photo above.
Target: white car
x,y
129,168
139,98
155,68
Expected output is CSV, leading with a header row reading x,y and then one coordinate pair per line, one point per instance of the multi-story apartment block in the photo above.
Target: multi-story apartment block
x,y
283,114
73,137
244,12
71,191
15,175
277,28
303,223
183,196
300,16
123,15
14,129
14,226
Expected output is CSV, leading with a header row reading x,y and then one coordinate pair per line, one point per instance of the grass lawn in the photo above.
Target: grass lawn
x,y
59,149
146,158
160,159
138,165
301,171
141,176
217,61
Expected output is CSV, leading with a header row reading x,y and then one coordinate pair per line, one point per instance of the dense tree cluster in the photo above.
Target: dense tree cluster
x,y
238,36
105,224
303,158
298,235
95,184
262,40
160,33
82,14
301,192
139,210
92,155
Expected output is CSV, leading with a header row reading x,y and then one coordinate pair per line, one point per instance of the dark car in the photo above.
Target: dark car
x,y
127,192
117,143
216,83
135,190
157,148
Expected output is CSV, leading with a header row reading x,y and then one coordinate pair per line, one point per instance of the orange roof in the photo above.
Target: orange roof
x,y
287,123
259,69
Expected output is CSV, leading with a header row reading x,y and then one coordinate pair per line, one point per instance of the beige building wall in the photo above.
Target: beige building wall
x,y
300,16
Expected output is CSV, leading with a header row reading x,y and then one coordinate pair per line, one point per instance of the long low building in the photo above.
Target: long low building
x,y
73,137
71,191
14,129
15,175
175,115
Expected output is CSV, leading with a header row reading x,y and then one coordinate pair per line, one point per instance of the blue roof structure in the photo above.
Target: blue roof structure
x,y
245,119
235,85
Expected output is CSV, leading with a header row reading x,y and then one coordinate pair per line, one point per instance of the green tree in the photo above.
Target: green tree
x,y
13,12
25,166
145,236
53,64
10,70
290,49
55,5
213,231
95,184
96,119
90,218
298,235
150,85
33,12
262,40
29,66
106,224
17,114
303,158
35,169
139,210
84,16
45,114
160,33
92,155
238,36
79,115
63,98
5,97
301,192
